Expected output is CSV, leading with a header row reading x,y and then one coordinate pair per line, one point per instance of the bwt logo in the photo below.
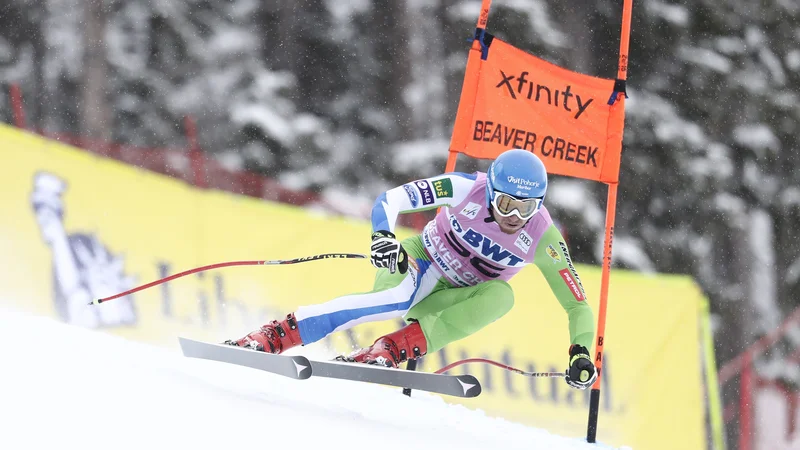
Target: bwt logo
x,y
520,86
523,182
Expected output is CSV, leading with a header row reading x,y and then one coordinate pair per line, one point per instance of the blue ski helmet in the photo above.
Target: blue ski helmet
x,y
516,172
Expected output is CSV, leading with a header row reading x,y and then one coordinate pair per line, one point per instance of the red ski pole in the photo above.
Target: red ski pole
x,y
228,264
502,366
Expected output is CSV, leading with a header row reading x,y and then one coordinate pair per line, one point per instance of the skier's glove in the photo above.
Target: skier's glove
x,y
386,252
581,373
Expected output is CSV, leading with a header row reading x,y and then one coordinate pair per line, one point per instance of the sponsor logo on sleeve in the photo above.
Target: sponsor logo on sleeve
x,y
426,192
565,251
412,195
471,210
553,254
443,188
577,292
523,241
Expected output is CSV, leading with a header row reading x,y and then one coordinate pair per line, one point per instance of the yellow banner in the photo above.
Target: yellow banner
x,y
74,227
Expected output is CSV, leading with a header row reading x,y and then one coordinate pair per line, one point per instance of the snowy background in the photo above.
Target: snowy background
x,y
348,98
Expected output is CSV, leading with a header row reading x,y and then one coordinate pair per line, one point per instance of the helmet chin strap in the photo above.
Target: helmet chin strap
x,y
490,219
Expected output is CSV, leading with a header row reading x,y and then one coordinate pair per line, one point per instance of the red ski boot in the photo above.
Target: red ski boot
x,y
392,349
274,337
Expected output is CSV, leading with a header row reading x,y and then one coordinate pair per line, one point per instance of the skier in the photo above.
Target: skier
x,y
452,279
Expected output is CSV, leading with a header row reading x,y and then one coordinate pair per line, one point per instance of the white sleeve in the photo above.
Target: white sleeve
x,y
442,190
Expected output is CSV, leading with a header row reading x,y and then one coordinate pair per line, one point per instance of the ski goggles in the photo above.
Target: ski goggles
x,y
506,205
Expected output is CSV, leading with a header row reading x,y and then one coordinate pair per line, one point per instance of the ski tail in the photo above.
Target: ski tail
x,y
297,367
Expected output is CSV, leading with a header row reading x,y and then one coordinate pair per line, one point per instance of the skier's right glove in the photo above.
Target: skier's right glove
x,y
581,373
387,253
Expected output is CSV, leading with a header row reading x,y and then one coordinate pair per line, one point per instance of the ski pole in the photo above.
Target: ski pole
x,y
228,264
502,366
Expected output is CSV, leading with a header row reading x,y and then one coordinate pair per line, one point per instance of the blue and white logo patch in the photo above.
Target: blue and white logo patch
x,y
426,191
412,195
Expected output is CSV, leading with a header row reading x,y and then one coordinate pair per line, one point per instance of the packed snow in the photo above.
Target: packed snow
x,y
64,386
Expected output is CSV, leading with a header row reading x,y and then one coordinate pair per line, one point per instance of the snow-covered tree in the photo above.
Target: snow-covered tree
x,y
359,96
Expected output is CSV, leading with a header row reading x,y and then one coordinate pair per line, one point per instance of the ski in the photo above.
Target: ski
x,y
454,385
297,367
301,368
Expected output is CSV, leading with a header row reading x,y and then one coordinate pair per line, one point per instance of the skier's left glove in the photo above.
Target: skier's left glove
x,y
386,252
581,373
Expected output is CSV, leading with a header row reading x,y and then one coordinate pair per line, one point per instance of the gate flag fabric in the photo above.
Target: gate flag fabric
x,y
512,99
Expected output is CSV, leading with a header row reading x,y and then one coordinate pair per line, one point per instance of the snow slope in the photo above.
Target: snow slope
x,y
68,387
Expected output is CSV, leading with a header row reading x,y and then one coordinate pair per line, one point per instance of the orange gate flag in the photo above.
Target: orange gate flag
x,y
512,99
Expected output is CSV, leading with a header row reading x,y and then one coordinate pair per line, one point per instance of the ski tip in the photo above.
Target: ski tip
x,y
470,385
183,344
